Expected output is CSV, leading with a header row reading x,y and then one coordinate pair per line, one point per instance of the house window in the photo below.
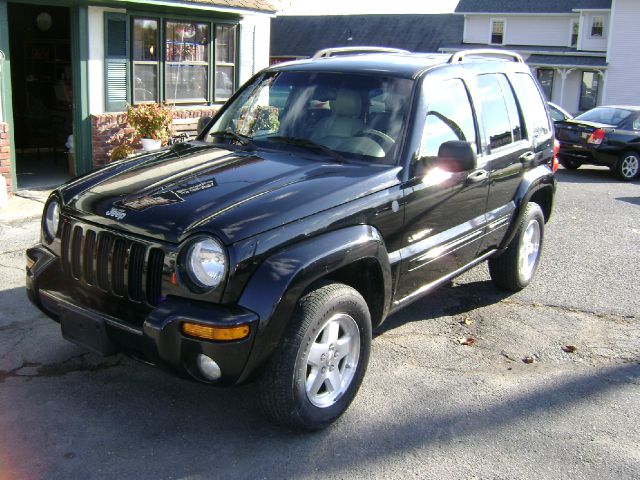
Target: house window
x,y
186,75
597,26
545,78
225,61
144,57
155,59
575,30
589,90
497,32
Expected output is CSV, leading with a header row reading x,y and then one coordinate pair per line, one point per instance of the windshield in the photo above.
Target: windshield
x,y
347,115
608,115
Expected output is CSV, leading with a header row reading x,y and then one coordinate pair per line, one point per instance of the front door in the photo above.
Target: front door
x,y
445,204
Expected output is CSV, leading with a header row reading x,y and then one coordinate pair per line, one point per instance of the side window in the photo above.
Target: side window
x,y
450,117
500,110
536,119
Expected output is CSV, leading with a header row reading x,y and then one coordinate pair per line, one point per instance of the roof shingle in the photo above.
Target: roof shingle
x,y
302,36
529,6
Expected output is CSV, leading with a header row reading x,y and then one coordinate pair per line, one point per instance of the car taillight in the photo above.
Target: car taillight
x,y
554,162
596,137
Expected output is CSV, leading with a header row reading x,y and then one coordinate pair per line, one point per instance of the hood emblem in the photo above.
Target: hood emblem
x,y
116,213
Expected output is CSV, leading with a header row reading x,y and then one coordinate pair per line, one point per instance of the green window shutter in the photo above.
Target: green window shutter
x,y
116,61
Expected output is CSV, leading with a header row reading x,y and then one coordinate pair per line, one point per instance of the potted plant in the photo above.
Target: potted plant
x,y
152,123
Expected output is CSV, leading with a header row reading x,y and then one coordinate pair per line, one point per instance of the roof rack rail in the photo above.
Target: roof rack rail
x,y
459,56
334,51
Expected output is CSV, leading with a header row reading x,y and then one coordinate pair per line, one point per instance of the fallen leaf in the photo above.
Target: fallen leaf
x,y
569,348
467,321
529,359
468,341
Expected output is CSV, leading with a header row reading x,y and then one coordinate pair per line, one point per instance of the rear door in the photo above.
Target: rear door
x,y
444,207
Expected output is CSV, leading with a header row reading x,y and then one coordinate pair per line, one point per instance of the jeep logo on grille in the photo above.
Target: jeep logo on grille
x,y
116,213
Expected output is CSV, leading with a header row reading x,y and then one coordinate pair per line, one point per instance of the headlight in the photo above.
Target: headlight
x,y
205,262
51,220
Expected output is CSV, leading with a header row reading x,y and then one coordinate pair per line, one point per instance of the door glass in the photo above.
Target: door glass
x,y
496,113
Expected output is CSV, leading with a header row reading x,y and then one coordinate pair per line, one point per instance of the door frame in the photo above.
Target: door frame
x,y
79,79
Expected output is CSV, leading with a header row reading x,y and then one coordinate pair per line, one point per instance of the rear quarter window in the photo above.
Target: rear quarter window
x,y
533,107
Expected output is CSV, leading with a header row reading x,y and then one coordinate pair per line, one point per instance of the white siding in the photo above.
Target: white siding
x,y
255,32
587,42
621,84
550,30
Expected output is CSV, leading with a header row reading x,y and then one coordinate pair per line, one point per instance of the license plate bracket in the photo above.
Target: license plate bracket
x,y
87,331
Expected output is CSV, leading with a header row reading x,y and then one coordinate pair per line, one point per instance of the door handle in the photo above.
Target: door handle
x,y
477,176
527,158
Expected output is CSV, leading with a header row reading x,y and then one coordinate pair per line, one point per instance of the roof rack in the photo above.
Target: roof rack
x,y
489,52
334,51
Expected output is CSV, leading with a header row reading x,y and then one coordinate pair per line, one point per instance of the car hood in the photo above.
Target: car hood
x,y
195,187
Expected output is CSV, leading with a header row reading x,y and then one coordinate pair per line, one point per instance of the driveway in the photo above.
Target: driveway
x,y
429,406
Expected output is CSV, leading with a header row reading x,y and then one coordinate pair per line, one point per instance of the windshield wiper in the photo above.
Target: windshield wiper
x,y
306,143
238,137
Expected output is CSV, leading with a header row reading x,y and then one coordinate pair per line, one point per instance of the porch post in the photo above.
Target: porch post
x,y
79,66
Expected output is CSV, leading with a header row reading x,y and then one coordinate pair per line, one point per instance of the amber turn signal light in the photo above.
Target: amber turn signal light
x,y
222,334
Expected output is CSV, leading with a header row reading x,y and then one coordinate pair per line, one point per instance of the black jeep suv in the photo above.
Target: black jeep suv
x,y
324,196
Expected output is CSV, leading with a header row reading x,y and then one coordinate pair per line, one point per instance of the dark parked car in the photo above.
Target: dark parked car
x,y
557,113
272,245
607,135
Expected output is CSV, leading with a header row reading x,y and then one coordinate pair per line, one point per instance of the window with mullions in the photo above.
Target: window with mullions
x,y
144,58
545,78
225,61
186,75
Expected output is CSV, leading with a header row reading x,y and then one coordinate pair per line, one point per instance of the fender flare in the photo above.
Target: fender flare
x,y
274,289
539,178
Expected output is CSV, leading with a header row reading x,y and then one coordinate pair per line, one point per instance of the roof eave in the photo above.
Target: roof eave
x,y
201,6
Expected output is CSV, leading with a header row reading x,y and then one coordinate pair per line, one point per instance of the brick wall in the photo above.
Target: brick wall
x,y
105,125
5,156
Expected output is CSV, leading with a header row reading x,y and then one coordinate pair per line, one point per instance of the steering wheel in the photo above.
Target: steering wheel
x,y
377,134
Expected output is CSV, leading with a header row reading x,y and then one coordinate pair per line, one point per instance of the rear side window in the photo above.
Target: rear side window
x,y
533,106
450,117
501,115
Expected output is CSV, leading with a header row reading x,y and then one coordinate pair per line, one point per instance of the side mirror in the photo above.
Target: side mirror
x,y
202,124
456,156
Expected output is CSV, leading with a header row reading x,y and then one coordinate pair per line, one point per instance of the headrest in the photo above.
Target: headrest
x,y
347,103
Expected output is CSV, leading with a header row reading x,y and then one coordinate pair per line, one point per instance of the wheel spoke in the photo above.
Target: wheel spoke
x,y
315,354
343,346
334,380
315,381
330,332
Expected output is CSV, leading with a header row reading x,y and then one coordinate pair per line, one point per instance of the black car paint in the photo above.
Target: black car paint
x,y
619,139
288,218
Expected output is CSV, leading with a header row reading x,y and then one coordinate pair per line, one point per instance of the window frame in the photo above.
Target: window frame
x,y
134,62
553,73
593,22
582,90
162,19
492,21
572,22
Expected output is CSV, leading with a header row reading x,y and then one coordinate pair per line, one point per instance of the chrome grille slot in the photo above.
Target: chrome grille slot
x,y
116,264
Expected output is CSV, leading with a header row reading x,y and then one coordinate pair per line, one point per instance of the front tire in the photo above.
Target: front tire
x,y
515,267
316,372
628,166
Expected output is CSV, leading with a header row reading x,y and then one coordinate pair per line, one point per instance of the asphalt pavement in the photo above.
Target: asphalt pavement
x,y
429,407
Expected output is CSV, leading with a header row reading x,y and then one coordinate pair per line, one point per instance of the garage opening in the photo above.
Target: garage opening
x,y
40,46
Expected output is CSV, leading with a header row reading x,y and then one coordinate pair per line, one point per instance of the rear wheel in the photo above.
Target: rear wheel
x,y
569,164
316,372
514,268
628,166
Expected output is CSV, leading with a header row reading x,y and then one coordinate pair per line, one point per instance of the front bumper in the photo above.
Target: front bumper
x,y
101,324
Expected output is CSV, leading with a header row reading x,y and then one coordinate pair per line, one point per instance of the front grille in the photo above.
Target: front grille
x,y
113,263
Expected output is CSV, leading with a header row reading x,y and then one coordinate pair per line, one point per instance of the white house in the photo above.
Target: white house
x,y
584,52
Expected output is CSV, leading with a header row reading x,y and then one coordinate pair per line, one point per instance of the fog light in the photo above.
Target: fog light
x,y
208,367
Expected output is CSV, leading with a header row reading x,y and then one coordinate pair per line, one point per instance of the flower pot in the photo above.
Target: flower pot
x,y
150,144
